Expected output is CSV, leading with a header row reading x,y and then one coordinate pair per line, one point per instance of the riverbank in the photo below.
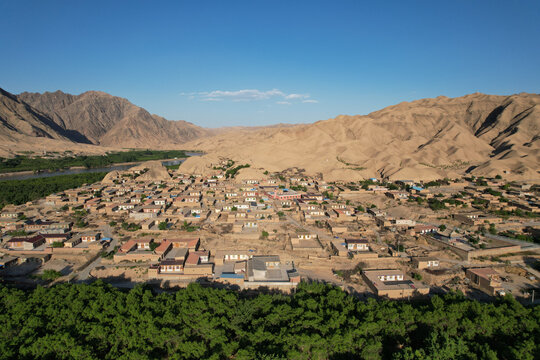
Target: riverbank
x,y
25,165
29,172
25,175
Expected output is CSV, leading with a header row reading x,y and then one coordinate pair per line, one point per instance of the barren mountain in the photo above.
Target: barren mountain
x,y
424,139
111,121
17,119
23,128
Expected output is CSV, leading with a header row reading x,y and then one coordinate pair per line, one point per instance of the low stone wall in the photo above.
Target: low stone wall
x,y
27,254
72,251
494,251
468,255
150,257
368,255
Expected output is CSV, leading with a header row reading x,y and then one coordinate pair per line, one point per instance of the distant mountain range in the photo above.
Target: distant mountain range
x,y
424,139
103,119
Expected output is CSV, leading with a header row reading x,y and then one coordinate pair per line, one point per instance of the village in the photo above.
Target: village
x,y
246,228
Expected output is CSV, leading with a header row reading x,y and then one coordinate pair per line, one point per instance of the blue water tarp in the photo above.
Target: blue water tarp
x,y
232,276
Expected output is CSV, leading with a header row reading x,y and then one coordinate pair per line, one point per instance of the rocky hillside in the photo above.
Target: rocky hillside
x,y
424,139
26,129
111,121
18,119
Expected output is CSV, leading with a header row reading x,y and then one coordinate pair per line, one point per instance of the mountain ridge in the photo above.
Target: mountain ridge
x,y
423,139
111,120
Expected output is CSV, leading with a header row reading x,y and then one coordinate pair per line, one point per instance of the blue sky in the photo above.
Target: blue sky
x,y
225,63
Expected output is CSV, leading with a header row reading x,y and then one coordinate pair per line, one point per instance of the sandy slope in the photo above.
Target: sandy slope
x,y
424,139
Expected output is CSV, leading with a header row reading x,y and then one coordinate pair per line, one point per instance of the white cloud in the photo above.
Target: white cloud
x,y
248,95
296,96
310,101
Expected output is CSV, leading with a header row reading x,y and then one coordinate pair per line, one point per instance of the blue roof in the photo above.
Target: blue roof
x,y
232,276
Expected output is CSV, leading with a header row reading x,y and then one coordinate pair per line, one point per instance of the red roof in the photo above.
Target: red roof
x,y
163,247
188,242
32,240
127,246
193,259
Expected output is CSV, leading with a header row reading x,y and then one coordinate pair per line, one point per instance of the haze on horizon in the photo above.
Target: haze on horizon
x,y
221,63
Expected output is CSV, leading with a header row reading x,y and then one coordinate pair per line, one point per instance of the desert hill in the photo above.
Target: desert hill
x,y
110,120
424,139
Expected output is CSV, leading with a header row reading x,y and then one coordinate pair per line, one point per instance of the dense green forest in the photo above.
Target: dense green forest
x,y
21,191
26,163
318,321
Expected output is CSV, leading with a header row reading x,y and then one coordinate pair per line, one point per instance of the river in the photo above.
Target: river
x,y
79,170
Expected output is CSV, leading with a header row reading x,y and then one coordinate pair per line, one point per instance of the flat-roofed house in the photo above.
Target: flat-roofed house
x,y
10,214
393,283
90,236
55,238
171,266
423,229
487,279
426,262
357,244
267,268
339,247
232,255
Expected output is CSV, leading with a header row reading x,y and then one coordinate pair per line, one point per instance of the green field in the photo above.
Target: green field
x,y
27,163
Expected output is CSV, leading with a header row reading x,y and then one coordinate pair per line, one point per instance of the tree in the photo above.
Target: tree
x,y
163,225
442,227
50,275
264,234
316,321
